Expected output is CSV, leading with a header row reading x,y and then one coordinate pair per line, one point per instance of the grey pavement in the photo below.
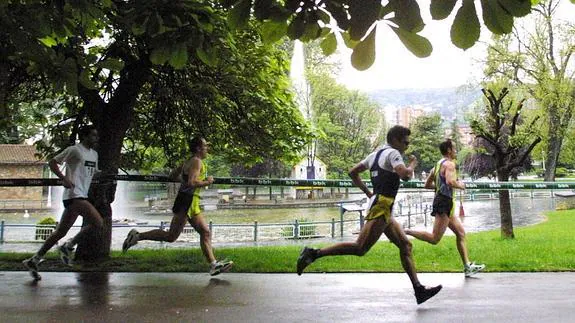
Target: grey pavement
x,y
232,297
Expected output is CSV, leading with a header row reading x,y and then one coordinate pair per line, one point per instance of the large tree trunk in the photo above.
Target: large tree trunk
x,y
112,120
506,216
96,245
552,157
505,208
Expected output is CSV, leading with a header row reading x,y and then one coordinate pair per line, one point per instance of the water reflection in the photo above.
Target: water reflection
x,y
485,215
94,288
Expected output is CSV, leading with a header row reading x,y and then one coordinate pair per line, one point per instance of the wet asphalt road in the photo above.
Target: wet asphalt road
x,y
231,297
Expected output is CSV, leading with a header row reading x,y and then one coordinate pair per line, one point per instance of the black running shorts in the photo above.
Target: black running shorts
x,y
182,203
442,205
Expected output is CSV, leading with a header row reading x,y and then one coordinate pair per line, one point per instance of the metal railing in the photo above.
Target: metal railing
x,y
244,232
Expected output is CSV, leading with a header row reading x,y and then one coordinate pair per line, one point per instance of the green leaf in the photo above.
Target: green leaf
x,y
60,30
518,8
239,15
363,54
86,81
262,9
48,41
324,17
205,57
160,55
312,31
140,25
441,9
112,64
350,43
179,56
363,13
297,27
70,76
407,15
328,44
496,18
339,13
465,29
418,45
156,25
273,31
279,14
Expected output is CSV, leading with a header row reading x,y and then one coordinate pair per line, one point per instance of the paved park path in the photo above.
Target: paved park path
x,y
231,297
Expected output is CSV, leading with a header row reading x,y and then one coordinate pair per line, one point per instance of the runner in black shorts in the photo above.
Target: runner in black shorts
x,y
443,177
187,209
442,205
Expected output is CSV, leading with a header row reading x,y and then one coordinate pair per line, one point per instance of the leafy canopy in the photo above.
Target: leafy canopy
x,y
357,21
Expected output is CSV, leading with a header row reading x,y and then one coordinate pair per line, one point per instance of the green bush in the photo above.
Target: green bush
x,y
561,172
47,221
44,228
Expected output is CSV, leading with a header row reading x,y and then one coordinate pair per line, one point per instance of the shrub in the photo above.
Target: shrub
x,y
44,228
47,221
561,172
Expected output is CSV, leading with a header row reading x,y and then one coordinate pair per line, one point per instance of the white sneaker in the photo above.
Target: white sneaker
x,y
32,265
131,240
220,267
472,269
65,251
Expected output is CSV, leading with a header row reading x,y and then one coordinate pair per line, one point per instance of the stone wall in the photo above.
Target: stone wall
x,y
565,201
21,171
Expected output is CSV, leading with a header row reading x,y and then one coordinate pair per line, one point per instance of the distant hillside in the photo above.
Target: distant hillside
x,y
444,100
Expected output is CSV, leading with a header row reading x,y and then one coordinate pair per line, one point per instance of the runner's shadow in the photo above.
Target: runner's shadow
x,y
217,282
33,282
94,288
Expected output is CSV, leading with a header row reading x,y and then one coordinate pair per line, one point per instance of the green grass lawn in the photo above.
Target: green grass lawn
x,y
548,246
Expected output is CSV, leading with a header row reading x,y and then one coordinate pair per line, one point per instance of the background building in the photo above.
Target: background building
x,y
20,161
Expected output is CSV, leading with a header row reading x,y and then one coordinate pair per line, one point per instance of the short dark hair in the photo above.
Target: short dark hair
x,y
445,146
397,132
195,144
84,131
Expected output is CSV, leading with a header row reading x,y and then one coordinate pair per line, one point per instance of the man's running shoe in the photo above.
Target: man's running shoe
x,y
423,293
220,267
65,251
131,240
32,265
472,269
306,257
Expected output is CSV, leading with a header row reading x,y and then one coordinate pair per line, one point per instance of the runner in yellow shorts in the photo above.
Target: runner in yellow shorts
x,y
386,168
187,209
380,205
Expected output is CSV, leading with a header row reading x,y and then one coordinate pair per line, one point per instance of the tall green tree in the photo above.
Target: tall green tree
x,y
538,56
351,124
426,134
508,141
158,72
